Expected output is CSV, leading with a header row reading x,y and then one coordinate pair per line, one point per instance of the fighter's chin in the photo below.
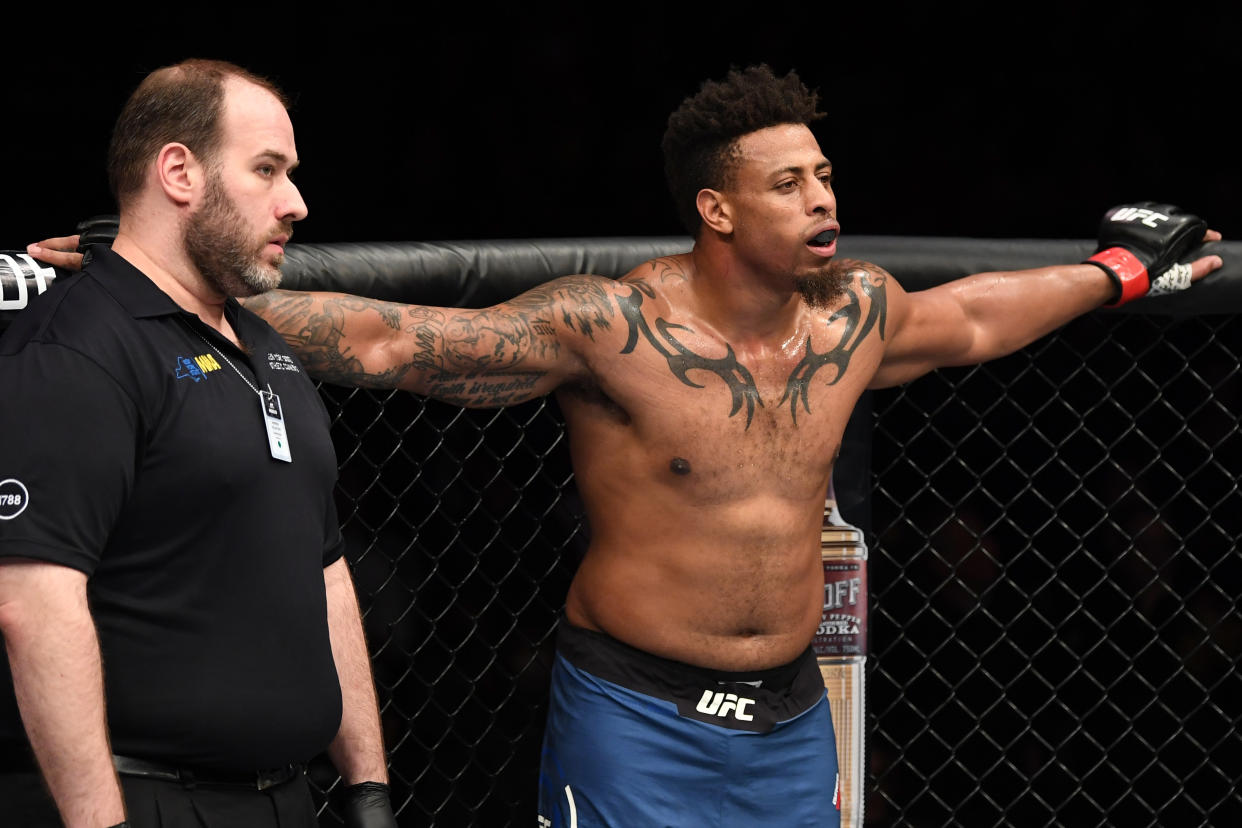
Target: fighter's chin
x,y
822,286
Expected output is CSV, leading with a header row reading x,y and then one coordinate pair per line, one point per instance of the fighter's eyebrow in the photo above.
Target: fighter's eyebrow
x,y
794,169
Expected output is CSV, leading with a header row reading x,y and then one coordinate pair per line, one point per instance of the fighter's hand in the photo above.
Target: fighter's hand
x,y
61,251
1143,248
367,805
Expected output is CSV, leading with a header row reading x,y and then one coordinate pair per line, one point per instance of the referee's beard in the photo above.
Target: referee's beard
x,y
219,245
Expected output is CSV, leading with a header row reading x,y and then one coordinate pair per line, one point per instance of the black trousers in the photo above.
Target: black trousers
x,y
154,803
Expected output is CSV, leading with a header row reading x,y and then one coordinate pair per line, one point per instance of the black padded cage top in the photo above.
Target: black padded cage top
x,y
1055,630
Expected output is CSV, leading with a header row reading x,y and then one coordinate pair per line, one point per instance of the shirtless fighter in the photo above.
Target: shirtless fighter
x,y
705,396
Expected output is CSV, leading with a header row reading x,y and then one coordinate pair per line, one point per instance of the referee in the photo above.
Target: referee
x,y
180,624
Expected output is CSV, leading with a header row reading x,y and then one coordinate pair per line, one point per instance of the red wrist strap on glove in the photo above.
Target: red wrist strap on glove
x,y
1131,276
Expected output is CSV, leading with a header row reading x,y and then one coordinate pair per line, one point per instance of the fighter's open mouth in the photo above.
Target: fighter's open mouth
x,y
823,239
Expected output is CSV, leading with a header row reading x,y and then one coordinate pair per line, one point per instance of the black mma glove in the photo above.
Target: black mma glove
x,y
1142,246
367,806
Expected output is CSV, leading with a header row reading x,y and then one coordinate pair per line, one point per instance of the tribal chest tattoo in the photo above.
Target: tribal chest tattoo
x,y
681,359
856,329
850,319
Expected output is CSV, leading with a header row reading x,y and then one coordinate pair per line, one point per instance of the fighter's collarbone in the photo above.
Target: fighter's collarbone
x,y
810,380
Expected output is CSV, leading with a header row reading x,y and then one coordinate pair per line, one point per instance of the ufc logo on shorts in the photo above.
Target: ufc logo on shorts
x,y
722,704
1140,214
544,822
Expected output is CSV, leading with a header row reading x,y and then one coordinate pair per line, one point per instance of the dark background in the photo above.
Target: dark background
x,y
473,123
470,122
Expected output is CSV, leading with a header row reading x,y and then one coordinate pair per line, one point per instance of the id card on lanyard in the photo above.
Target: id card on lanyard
x,y
274,419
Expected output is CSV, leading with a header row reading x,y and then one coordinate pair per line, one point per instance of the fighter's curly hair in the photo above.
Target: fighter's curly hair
x,y
700,141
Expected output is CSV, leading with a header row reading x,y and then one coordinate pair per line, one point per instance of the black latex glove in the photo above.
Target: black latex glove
x,y
367,806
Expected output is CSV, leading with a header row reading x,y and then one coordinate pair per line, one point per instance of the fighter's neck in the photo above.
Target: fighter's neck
x,y
741,304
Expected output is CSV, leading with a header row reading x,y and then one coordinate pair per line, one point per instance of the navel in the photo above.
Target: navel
x,y
679,465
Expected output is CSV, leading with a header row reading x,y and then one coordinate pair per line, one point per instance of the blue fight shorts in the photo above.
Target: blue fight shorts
x,y
638,741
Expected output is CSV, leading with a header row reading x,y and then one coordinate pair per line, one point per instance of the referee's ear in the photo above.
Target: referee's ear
x,y
180,174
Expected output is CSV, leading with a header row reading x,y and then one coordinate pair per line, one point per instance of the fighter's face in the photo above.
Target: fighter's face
x,y
782,208
237,235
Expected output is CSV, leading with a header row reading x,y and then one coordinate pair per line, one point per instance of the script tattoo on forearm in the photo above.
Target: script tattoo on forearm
x,y
491,390
855,330
681,359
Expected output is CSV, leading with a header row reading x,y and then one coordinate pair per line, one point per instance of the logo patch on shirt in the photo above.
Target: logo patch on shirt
x,y
13,498
196,368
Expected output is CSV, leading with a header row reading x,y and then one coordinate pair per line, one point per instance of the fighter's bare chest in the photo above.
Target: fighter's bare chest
x,y
668,369
726,433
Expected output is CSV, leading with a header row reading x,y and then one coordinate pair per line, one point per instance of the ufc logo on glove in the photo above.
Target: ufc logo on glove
x,y
1144,216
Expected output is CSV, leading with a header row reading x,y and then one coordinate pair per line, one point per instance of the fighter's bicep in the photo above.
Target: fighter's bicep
x,y
530,344
927,329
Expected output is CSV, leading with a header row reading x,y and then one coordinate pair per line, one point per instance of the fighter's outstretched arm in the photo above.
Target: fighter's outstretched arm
x,y
480,358
988,315
486,358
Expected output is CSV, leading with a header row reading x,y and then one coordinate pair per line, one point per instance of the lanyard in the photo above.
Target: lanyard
x,y
269,404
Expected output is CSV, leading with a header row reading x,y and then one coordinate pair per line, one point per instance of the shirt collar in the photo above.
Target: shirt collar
x,y
134,290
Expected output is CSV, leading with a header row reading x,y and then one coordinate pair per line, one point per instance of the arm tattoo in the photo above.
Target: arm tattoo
x,y
856,329
315,335
469,360
583,302
681,359
477,358
490,390
504,337
467,357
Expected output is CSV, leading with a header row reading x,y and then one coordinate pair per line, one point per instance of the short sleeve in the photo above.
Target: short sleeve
x,y
334,540
68,443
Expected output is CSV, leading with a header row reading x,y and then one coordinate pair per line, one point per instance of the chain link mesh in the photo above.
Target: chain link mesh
x,y
1055,626
464,530
1056,634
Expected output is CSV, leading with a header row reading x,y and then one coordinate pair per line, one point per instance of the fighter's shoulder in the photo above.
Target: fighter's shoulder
x,y
662,268
657,279
603,293
868,284
647,276
857,271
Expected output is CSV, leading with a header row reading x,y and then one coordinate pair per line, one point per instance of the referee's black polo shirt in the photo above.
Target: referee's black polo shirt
x,y
132,451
